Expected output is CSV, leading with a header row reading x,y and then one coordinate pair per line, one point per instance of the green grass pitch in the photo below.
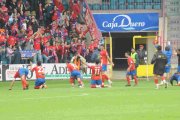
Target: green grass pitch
x,y
61,102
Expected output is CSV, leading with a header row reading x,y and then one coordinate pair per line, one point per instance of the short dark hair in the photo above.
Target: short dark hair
x,y
102,45
127,52
97,61
167,48
39,63
159,48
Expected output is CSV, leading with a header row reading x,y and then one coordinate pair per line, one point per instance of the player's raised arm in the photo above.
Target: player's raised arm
x,y
109,59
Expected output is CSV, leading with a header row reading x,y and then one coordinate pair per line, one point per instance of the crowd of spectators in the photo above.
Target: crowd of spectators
x,y
53,30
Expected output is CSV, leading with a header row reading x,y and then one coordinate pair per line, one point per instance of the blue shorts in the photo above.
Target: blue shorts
x,y
175,77
39,82
75,74
178,68
167,69
23,71
104,67
96,82
131,73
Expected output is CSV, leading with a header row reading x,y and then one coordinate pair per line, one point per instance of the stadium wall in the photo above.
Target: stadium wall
x,y
56,71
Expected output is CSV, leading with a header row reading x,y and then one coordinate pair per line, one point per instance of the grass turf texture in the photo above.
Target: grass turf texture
x,y
61,102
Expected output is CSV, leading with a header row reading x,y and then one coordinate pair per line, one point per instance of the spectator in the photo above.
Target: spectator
x,y
16,59
95,55
88,56
9,54
141,54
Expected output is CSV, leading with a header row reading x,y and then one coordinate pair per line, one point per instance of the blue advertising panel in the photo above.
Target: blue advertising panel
x,y
127,22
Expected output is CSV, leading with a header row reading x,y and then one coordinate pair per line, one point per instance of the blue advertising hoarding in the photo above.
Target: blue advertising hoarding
x,y
127,22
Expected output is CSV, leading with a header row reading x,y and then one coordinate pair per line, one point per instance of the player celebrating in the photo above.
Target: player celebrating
x,y
96,75
104,61
75,74
168,53
40,76
21,73
131,70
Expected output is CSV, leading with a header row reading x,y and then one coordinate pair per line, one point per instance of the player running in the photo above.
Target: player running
x,y
104,61
74,74
22,74
131,70
40,76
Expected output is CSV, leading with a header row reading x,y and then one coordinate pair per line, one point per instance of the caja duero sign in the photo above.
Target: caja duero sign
x,y
127,22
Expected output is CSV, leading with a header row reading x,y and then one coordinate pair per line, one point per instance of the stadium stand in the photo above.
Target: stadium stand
x,y
50,31
125,4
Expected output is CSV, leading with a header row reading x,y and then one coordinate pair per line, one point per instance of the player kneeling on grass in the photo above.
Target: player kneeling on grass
x,y
176,77
40,76
74,74
21,73
96,76
131,70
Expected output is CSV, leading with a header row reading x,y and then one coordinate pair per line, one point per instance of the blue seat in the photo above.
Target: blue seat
x,y
105,6
130,7
139,6
113,2
130,1
122,6
114,7
148,6
122,1
139,1
157,1
157,6
148,1
66,6
96,6
90,6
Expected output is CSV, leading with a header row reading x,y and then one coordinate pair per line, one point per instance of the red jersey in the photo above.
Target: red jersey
x,y
71,67
37,45
104,58
17,74
131,62
39,72
96,72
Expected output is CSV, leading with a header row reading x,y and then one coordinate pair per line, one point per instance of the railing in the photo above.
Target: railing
x,y
124,4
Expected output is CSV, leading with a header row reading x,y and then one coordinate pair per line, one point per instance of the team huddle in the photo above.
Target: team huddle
x,y
98,77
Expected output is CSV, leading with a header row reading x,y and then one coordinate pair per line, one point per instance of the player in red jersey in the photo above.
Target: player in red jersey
x,y
21,73
96,76
104,61
131,70
74,74
40,76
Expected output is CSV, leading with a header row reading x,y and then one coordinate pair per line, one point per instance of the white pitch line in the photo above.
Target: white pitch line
x,y
84,94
